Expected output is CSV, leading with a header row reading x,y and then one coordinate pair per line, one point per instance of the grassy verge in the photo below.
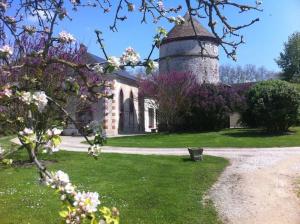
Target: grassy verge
x,y
146,189
226,138
5,141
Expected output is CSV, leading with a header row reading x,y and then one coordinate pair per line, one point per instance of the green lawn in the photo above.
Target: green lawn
x,y
146,189
226,138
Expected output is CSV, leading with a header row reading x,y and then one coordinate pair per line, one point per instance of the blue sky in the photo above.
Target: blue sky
x,y
264,40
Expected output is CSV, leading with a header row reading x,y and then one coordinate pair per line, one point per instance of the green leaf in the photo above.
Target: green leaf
x,y
63,214
56,140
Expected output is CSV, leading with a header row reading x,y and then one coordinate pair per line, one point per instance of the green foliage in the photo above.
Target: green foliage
x,y
7,161
111,216
56,140
272,105
289,59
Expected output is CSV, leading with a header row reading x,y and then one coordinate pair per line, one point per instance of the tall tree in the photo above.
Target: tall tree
x,y
249,73
289,59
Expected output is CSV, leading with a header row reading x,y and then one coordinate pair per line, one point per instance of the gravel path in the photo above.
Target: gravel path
x,y
259,187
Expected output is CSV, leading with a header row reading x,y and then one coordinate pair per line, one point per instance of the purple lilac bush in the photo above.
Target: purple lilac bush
x,y
185,105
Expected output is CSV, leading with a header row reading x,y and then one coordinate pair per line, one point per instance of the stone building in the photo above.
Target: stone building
x,y
183,51
127,113
124,114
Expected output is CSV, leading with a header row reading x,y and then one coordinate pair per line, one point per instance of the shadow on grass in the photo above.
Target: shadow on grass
x,y
256,133
187,159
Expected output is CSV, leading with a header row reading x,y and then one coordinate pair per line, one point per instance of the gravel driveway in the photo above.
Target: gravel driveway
x,y
259,187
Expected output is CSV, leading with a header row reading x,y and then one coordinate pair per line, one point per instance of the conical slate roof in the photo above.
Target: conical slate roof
x,y
185,31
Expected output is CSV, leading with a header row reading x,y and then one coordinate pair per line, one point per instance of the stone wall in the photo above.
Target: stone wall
x,y
185,56
234,120
106,112
131,120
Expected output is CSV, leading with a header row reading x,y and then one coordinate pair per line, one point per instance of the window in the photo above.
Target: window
x,y
151,117
131,103
121,111
121,101
131,111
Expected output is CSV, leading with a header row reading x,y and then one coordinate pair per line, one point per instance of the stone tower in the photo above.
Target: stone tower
x,y
180,51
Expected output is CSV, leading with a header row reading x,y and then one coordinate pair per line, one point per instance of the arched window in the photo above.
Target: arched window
x,y
121,111
131,111
151,117
121,101
131,103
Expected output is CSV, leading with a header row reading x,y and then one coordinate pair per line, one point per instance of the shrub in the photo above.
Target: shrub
x,y
212,105
185,105
272,105
171,92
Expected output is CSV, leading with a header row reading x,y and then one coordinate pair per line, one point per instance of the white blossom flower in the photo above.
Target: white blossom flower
x,y
66,37
155,65
49,133
179,20
63,197
10,19
83,97
26,131
3,6
29,29
6,51
50,148
75,2
69,189
54,132
151,66
53,141
98,68
172,19
62,177
88,202
58,180
26,97
29,134
7,92
94,150
160,5
7,161
114,62
70,79
40,100
130,57
55,149
20,119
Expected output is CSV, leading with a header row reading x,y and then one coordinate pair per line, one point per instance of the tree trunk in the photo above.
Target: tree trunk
x,y
31,158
